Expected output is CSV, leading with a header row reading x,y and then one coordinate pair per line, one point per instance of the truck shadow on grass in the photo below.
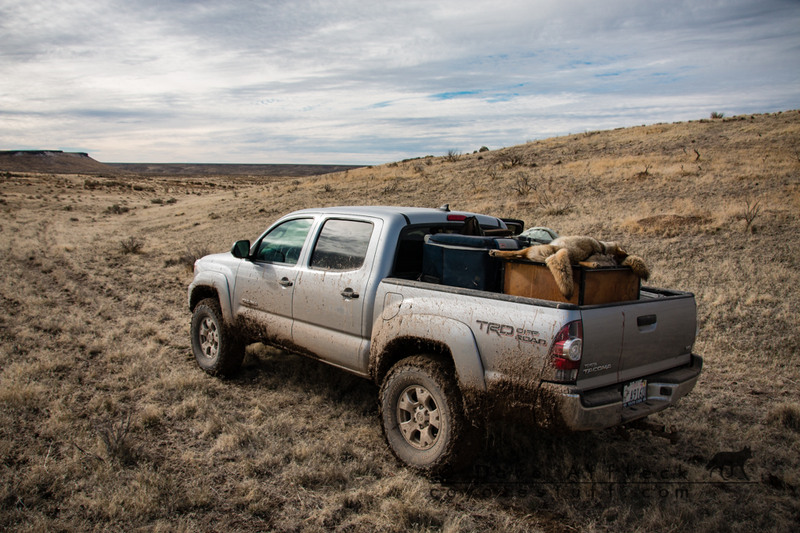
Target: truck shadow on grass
x,y
274,369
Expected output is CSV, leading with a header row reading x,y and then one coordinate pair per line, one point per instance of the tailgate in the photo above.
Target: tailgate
x,y
625,341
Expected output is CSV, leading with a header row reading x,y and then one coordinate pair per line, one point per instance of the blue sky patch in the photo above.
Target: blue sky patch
x,y
454,94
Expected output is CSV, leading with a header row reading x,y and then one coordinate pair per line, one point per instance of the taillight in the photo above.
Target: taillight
x,y
566,351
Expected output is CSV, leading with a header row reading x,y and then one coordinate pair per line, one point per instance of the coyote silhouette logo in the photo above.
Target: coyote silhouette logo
x,y
731,460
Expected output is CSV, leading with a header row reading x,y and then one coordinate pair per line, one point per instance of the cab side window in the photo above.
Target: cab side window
x,y
284,243
342,245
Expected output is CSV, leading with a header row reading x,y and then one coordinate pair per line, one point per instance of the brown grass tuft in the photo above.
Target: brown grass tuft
x,y
785,415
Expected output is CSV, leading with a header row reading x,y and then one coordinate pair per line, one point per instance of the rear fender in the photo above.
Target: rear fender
x,y
398,337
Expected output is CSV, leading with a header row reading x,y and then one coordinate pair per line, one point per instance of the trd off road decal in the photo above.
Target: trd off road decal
x,y
505,330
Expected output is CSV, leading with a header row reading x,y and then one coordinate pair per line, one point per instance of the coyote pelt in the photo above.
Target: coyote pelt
x,y
563,252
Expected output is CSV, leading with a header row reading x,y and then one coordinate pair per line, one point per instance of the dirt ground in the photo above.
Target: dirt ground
x,y
107,423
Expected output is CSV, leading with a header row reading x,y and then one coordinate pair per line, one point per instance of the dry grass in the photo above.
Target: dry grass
x,y
106,422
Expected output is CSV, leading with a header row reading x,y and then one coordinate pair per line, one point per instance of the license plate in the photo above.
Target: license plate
x,y
634,392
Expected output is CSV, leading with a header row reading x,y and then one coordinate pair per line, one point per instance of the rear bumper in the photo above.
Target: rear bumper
x,y
602,408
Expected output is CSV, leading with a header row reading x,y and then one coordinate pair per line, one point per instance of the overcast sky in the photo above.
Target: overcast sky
x,y
361,82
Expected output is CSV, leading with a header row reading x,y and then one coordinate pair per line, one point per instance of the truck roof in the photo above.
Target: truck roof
x,y
412,215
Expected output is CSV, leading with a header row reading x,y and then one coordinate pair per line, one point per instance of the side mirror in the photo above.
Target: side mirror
x,y
241,249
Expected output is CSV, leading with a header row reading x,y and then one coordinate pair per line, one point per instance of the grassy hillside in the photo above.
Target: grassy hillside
x,y
107,423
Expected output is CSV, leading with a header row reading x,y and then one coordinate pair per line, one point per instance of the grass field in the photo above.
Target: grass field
x,y
106,423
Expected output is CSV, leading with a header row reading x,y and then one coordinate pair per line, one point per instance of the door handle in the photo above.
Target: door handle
x,y
349,293
285,282
646,323
645,320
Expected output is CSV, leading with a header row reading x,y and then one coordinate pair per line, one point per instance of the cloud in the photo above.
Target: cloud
x,y
344,81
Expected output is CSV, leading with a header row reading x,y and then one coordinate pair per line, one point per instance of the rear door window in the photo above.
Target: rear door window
x,y
342,245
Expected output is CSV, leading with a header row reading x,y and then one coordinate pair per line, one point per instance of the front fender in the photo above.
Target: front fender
x,y
217,282
456,336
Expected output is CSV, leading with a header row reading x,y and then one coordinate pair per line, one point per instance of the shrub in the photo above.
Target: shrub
x,y
452,156
116,438
192,254
552,200
716,114
514,160
749,214
522,185
117,209
645,173
131,245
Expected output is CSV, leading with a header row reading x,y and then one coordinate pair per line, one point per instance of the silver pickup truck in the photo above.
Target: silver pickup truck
x,y
353,287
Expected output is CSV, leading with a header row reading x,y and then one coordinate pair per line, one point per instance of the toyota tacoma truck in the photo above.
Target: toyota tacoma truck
x,y
366,290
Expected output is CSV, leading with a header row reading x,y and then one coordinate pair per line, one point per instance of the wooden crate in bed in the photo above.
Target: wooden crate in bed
x,y
592,285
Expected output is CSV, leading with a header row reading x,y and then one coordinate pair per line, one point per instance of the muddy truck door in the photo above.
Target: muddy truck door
x,y
265,281
333,299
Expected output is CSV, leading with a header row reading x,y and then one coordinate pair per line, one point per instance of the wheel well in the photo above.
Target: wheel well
x,y
403,347
201,293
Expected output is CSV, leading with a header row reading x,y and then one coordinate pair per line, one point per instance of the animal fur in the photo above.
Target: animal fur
x,y
563,252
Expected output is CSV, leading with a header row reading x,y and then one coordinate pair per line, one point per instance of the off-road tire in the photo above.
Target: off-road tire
x,y
423,419
216,348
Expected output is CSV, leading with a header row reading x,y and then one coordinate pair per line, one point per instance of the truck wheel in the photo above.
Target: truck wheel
x,y
423,418
215,347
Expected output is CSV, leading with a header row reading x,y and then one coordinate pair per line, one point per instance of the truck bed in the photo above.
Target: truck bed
x,y
645,342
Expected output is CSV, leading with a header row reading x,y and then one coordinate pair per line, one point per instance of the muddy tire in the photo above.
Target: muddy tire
x,y
215,346
423,418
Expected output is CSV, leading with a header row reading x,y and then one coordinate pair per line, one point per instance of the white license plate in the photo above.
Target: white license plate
x,y
634,392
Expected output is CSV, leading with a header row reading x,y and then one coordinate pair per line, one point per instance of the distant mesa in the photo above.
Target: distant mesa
x,y
59,162
51,153
55,161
